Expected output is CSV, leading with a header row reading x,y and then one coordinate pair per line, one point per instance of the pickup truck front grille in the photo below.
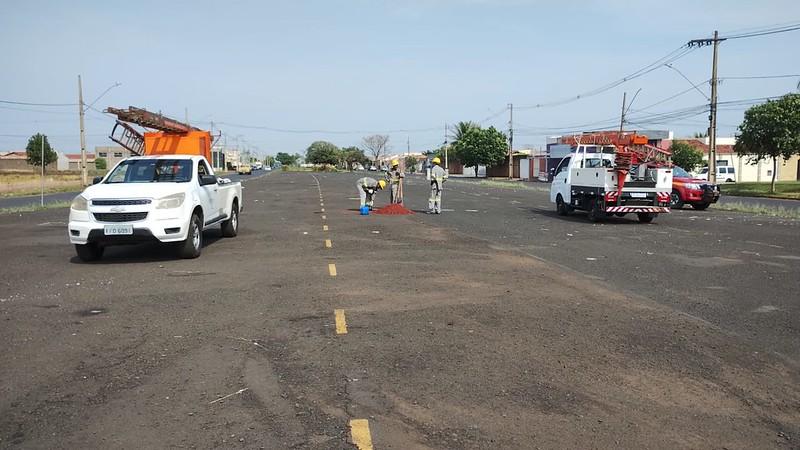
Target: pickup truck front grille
x,y
101,202
120,217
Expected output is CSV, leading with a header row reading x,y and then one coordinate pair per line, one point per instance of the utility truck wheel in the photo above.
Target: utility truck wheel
x,y
561,208
700,206
230,227
646,217
89,252
193,245
595,214
675,199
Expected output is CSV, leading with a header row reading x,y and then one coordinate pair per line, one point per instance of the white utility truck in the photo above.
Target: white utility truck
x,y
612,174
164,198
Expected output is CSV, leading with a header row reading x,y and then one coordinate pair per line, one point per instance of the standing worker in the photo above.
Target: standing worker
x,y
438,175
367,187
395,178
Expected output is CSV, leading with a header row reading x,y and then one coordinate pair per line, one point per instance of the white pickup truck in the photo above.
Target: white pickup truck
x,y
168,198
587,180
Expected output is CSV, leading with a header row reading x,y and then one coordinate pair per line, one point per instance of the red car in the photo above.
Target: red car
x,y
693,191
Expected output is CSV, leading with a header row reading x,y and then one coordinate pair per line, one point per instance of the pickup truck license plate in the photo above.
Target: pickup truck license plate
x,y
638,195
113,230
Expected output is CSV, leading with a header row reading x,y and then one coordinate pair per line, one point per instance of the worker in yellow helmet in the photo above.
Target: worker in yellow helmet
x,y
395,178
437,178
367,187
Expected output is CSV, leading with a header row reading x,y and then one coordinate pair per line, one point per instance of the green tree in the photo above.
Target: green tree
x,y
100,164
269,161
771,130
685,155
34,151
700,135
352,156
480,146
322,152
286,159
411,164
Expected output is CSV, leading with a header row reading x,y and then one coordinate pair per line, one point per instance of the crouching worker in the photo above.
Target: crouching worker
x,y
367,187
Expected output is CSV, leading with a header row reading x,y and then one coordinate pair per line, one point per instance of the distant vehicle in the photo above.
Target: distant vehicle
x,y
373,168
694,191
258,165
725,174
167,198
267,168
244,169
610,174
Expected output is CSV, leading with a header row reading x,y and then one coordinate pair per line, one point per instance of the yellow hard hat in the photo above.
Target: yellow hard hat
x,y
395,162
436,160
381,184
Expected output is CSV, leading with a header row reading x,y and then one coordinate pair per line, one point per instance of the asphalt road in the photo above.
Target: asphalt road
x,y
60,197
494,325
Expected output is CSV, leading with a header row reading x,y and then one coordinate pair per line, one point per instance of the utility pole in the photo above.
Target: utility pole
x,y
622,117
43,160
712,116
511,141
446,165
84,173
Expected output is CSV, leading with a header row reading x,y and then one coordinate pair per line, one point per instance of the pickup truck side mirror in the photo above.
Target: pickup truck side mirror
x,y
205,180
96,180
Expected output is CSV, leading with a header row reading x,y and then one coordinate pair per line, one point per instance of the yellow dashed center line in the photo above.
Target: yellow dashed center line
x,y
341,323
332,269
359,432
328,243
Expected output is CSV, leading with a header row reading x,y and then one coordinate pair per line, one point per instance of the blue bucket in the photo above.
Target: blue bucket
x,y
364,210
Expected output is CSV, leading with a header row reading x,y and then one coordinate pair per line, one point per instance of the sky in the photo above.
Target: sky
x,y
276,76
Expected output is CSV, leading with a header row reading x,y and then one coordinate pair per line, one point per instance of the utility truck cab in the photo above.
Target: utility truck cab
x,y
169,198
613,176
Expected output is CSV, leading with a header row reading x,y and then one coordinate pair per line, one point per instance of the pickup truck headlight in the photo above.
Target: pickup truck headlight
x,y
693,186
79,203
171,201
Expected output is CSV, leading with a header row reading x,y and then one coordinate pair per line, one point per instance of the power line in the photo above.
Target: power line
x,y
10,102
784,29
669,58
761,77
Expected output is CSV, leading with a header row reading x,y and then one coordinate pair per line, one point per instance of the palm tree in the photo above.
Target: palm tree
x,y
461,129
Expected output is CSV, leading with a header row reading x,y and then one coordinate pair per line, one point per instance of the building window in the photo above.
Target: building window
x,y
103,155
117,154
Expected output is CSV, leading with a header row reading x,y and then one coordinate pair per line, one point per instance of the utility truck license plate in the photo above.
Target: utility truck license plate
x,y
114,230
633,194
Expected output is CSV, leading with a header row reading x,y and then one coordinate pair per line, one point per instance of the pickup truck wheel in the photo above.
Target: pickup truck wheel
x,y
700,206
675,200
595,214
561,208
230,227
89,252
193,245
646,217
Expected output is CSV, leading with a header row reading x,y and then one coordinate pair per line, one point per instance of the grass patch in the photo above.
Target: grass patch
x,y
21,184
34,207
514,185
761,210
783,189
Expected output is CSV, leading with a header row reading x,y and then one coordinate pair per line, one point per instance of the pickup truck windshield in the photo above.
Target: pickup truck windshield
x,y
152,171
680,173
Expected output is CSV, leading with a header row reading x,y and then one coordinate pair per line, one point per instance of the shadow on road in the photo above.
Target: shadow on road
x,y
146,252
580,217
